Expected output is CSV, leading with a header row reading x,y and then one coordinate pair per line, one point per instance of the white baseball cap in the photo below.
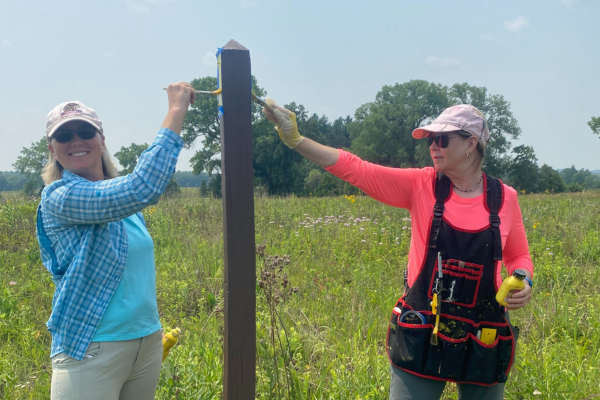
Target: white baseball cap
x,y
71,111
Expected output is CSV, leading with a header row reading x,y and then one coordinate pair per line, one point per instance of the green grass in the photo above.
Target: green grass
x,y
327,341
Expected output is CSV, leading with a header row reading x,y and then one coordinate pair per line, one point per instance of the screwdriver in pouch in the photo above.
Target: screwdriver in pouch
x,y
436,304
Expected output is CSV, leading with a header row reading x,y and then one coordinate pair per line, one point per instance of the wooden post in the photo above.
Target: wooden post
x,y
239,346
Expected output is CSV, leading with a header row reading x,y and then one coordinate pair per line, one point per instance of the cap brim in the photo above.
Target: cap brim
x,y
64,121
427,130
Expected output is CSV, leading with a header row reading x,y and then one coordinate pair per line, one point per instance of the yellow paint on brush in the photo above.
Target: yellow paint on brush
x,y
260,101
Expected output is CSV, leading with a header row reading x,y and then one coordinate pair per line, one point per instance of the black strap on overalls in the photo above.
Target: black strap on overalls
x,y
443,186
442,192
494,202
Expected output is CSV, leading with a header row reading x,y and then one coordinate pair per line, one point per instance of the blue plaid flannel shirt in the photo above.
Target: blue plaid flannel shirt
x,y
84,244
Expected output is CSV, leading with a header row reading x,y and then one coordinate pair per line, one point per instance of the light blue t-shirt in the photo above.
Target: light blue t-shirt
x,y
132,312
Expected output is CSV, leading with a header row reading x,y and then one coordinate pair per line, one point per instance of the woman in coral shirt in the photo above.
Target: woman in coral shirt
x,y
448,325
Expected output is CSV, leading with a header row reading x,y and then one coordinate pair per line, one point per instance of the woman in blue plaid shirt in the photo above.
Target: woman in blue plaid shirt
x,y
106,338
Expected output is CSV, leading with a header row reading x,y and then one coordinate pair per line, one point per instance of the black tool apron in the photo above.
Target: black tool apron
x,y
469,262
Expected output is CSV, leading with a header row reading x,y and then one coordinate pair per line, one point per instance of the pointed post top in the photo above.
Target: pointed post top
x,y
233,45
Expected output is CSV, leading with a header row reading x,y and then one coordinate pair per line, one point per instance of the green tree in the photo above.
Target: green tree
x,y
129,156
188,179
524,170
550,180
30,188
15,181
312,180
31,162
202,121
172,188
382,130
203,189
577,180
592,181
336,133
3,183
214,185
276,168
594,124
568,174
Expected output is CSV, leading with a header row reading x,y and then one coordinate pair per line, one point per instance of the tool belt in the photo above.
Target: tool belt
x,y
459,355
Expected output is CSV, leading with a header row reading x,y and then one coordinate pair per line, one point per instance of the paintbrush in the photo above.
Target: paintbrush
x,y
217,92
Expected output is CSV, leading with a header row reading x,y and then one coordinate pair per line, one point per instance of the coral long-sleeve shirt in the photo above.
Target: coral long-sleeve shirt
x,y
412,188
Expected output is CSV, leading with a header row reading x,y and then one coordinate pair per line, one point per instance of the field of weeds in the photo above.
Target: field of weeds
x,y
335,268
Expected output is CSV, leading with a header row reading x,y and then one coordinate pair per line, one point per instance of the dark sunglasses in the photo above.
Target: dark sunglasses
x,y
440,139
66,135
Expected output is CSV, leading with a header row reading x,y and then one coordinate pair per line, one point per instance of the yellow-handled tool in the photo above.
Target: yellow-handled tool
x,y
169,340
436,304
213,93
217,92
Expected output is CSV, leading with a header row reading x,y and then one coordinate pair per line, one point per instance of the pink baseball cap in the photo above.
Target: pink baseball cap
x,y
462,117
71,111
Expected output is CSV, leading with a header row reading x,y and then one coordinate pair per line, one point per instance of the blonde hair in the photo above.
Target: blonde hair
x,y
53,171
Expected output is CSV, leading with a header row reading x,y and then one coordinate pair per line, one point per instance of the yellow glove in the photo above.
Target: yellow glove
x,y
285,123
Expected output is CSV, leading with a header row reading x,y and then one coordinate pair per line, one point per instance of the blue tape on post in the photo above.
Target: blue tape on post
x,y
220,109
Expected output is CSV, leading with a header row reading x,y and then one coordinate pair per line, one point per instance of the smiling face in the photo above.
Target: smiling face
x,y
453,158
81,157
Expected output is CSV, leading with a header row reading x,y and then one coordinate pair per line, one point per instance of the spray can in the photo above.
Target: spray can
x,y
169,341
511,283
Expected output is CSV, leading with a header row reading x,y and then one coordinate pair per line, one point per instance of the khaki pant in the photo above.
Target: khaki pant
x,y
123,370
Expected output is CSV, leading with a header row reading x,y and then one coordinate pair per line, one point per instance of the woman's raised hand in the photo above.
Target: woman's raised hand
x,y
181,95
285,123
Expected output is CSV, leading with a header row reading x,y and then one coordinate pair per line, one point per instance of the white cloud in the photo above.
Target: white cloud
x,y
7,43
209,59
442,62
248,3
109,54
516,25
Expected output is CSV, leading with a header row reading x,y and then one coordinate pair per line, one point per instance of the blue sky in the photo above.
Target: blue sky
x,y
330,56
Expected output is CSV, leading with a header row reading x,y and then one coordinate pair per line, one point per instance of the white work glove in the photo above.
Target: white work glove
x,y
285,123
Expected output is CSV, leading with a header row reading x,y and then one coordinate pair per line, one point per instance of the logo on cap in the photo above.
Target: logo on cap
x,y
70,109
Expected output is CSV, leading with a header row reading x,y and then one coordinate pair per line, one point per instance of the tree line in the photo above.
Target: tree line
x,y
380,131
11,181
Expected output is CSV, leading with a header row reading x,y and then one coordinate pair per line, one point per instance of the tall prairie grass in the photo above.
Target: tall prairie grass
x,y
324,337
